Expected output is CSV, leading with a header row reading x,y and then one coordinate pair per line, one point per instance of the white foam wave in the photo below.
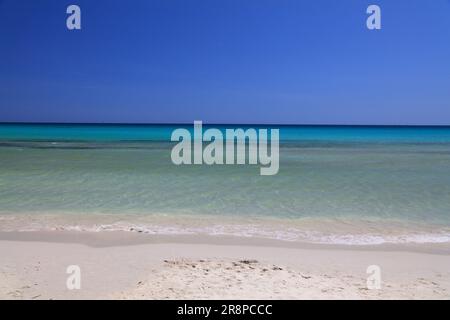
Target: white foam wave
x,y
257,231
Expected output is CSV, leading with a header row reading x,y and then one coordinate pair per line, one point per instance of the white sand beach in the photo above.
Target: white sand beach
x,y
119,265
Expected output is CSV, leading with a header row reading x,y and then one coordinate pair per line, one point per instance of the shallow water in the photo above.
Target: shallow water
x,y
352,185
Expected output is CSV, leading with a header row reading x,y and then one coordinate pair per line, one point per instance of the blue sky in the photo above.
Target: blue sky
x,y
226,61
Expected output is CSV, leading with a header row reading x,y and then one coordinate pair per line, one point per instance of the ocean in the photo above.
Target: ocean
x,y
353,185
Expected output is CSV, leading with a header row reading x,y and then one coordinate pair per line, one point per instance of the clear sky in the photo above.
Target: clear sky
x,y
225,61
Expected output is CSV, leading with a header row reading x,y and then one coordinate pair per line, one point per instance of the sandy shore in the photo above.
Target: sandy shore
x,y
120,265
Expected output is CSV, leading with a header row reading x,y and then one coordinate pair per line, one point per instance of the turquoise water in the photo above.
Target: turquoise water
x,y
378,134
352,185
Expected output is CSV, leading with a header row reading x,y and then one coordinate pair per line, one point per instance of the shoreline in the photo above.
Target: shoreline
x,y
333,231
107,239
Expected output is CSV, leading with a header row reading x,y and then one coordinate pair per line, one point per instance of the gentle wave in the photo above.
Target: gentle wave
x,y
256,231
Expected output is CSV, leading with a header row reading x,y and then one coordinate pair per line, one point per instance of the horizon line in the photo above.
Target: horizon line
x,y
217,123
